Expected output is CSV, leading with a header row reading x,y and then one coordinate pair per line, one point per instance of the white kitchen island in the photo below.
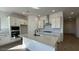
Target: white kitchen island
x,y
39,43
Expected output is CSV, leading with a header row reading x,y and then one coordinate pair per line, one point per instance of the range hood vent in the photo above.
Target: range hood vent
x,y
48,22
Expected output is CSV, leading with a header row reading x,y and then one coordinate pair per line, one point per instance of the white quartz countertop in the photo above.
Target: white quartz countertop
x,y
49,40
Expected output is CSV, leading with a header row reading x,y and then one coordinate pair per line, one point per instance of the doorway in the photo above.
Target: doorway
x,y
70,40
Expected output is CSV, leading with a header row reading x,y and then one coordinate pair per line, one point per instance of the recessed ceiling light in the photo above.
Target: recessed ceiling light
x,y
36,7
72,13
53,10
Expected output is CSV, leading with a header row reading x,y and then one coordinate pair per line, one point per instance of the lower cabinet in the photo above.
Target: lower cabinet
x,y
7,40
36,46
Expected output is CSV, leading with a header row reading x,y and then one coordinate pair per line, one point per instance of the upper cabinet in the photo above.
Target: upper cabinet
x,y
4,22
14,21
32,23
23,22
42,21
56,20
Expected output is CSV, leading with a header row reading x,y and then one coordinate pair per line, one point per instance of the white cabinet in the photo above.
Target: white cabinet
x,y
55,20
5,32
14,21
32,23
52,21
42,21
40,24
23,22
35,45
5,24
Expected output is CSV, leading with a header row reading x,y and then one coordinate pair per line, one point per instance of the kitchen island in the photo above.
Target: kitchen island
x,y
39,43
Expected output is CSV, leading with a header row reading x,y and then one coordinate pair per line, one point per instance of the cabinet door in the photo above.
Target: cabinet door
x,y
12,22
52,21
55,21
17,22
35,45
41,22
23,22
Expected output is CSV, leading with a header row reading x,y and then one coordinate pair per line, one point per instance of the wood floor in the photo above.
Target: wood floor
x,y
70,43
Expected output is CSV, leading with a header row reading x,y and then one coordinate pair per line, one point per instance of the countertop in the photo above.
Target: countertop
x,y
48,40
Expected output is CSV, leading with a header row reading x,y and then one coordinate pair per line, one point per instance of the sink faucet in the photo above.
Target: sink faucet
x,y
35,33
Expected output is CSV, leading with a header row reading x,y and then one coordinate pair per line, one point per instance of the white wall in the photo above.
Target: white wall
x,y
69,26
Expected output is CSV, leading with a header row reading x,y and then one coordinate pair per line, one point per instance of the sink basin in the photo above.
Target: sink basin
x,y
48,31
36,35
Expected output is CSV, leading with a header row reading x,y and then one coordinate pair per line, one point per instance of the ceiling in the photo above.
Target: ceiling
x,y
24,11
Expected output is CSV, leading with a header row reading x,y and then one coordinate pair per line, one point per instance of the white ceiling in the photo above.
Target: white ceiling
x,y
41,11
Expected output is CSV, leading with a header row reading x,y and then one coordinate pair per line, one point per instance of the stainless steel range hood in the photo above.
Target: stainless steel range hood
x,y
47,29
48,23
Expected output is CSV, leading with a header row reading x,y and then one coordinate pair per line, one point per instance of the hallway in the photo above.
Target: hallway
x,y
70,43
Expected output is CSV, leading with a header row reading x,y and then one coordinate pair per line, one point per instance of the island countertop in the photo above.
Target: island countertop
x,y
48,40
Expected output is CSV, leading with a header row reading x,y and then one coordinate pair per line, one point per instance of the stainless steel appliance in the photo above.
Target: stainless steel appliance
x,y
15,31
